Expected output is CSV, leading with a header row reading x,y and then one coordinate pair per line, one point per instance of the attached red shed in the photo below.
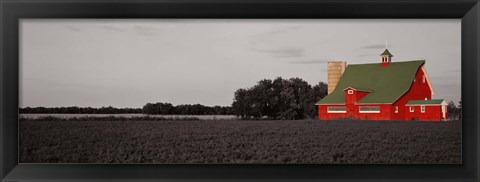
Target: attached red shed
x,y
435,109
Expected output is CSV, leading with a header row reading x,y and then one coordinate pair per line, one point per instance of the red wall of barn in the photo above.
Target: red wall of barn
x,y
418,91
352,98
385,112
432,113
323,115
353,112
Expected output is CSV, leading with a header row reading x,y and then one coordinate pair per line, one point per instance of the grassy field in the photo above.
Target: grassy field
x,y
236,141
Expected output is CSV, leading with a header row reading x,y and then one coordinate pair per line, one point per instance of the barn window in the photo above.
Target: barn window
x,y
423,78
337,109
422,108
411,109
396,109
369,109
350,91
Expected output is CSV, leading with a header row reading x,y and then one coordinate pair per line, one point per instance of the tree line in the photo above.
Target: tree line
x,y
79,110
185,109
280,98
149,108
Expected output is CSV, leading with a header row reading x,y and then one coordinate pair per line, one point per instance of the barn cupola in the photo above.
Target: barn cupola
x,y
386,57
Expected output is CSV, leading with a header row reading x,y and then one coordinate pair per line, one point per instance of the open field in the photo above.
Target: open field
x,y
236,141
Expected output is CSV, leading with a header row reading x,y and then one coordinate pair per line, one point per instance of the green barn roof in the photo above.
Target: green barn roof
x,y
425,102
386,53
386,84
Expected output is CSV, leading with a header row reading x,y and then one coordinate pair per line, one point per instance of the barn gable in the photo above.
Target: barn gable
x,y
386,84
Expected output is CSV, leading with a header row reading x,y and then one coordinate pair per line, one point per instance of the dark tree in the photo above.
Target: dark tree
x,y
279,99
452,108
158,108
319,91
241,106
454,112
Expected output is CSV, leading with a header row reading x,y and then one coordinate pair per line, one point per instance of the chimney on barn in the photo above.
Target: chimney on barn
x,y
335,71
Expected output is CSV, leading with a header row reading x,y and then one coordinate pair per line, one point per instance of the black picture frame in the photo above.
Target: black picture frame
x,y
12,11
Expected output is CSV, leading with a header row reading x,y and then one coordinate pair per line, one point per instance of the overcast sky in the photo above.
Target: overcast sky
x,y
127,63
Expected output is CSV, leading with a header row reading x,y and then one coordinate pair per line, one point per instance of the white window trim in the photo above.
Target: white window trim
x,y
350,91
422,108
328,111
368,111
396,109
423,77
412,108
336,111
360,111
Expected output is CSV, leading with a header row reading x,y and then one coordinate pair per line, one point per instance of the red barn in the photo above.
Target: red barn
x,y
381,91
